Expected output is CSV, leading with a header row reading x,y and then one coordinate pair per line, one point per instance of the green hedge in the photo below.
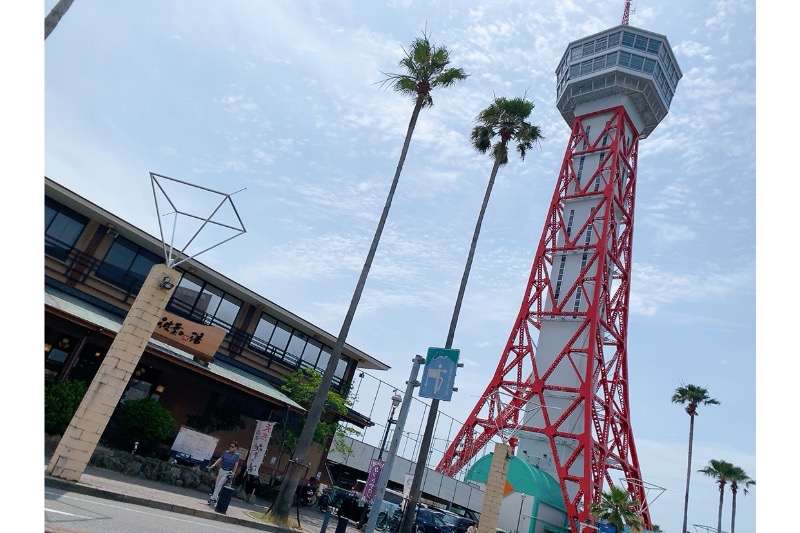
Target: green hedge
x,y
61,400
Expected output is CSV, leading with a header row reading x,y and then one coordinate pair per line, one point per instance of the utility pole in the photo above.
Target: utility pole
x,y
394,445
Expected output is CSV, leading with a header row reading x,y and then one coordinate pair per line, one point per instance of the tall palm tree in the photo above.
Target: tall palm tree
x,y
738,478
505,120
54,17
692,396
616,507
425,67
721,471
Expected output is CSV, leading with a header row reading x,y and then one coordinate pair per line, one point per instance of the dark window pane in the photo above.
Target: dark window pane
x,y
311,352
324,357
297,343
62,227
627,38
228,309
264,329
280,338
126,265
340,368
185,295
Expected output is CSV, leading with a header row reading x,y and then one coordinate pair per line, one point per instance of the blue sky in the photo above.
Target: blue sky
x,y
282,101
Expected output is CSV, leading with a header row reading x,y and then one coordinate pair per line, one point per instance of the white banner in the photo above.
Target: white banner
x,y
407,486
259,446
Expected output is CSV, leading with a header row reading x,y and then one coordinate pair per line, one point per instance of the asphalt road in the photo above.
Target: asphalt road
x,y
70,512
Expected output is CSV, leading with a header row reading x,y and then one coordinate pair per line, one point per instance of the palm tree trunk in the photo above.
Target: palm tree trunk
x,y
425,445
468,267
54,17
688,474
719,514
282,505
733,512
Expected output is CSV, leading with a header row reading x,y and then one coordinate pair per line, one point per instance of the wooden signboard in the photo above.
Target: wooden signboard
x,y
198,339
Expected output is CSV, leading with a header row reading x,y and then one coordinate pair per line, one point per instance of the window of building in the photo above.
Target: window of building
x,y
62,227
204,303
263,333
324,357
628,38
280,338
578,294
126,265
311,354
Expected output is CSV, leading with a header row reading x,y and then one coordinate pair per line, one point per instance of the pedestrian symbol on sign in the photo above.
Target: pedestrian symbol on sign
x,y
435,374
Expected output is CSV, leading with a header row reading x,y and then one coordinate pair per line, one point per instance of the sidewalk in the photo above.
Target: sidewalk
x,y
120,487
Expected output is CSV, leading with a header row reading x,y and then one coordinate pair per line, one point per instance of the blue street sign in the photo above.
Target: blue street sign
x,y
439,374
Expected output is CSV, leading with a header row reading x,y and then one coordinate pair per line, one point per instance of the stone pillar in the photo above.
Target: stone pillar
x,y
81,437
495,487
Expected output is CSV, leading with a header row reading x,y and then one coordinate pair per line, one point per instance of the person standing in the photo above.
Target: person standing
x,y
228,462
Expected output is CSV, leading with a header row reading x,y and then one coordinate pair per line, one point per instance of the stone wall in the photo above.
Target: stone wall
x,y
192,477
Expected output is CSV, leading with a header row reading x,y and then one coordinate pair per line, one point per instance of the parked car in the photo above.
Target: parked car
x,y
428,521
457,523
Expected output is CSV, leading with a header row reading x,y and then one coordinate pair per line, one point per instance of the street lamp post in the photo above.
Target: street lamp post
x,y
396,399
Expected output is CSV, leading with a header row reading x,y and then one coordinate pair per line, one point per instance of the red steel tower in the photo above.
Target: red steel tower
x,y
559,394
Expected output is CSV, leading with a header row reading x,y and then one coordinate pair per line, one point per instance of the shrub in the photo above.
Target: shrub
x,y
61,400
144,421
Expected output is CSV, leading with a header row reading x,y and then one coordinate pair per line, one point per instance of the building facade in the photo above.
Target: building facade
x,y
95,264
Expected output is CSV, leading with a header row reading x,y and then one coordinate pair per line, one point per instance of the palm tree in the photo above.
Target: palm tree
x,y
692,396
425,68
54,17
617,508
721,471
738,478
505,120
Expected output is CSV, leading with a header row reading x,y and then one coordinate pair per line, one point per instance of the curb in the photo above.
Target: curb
x,y
71,486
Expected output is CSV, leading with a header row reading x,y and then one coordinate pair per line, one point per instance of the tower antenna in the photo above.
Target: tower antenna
x,y
627,13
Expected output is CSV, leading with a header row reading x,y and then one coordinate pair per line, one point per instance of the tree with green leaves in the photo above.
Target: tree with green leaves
x,y
738,478
425,68
301,386
692,396
721,471
505,121
616,507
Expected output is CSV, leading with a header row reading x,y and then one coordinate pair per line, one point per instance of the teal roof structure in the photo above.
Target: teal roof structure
x,y
523,478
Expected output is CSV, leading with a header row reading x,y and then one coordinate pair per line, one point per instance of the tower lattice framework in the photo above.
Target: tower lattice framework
x,y
566,390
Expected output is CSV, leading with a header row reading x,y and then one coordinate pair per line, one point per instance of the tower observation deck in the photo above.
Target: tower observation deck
x,y
559,394
620,66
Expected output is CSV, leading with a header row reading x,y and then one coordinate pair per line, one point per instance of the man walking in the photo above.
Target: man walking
x,y
228,462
